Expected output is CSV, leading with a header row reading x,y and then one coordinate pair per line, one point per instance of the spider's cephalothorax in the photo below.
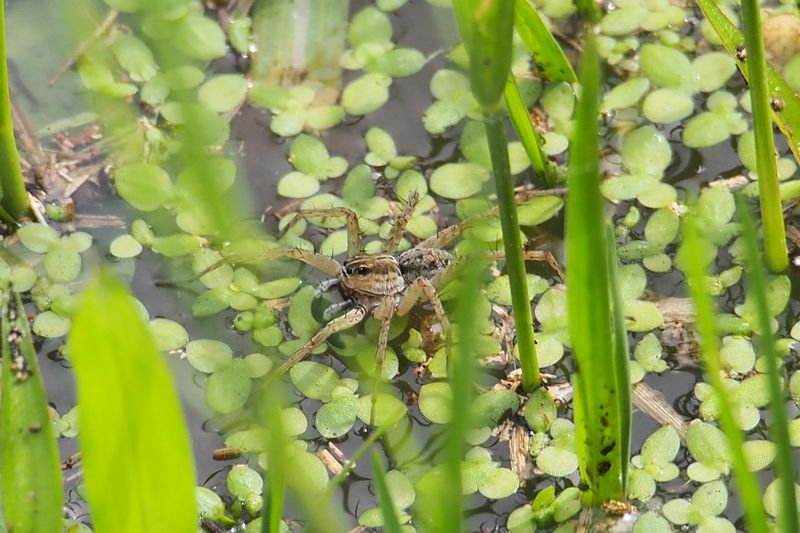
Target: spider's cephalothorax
x,y
367,279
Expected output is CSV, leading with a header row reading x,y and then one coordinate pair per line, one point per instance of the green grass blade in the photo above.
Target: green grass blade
x,y
705,325
277,443
512,243
137,458
541,44
588,298
30,464
391,524
12,185
779,426
771,211
788,119
486,27
528,135
621,357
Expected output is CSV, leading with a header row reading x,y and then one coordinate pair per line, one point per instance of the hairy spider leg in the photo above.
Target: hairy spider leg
x,y
534,255
326,264
353,230
451,233
400,224
346,321
384,313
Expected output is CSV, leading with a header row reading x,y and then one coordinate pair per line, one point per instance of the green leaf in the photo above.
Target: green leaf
x,y
541,44
199,37
223,93
366,94
146,187
31,481
135,57
391,524
128,407
666,67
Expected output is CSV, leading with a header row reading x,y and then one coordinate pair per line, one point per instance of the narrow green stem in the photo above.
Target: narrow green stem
x,y
14,196
768,185
779,427
526,131
515,263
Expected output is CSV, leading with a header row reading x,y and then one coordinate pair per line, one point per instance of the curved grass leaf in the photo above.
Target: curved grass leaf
x,y
528,135
31,469
597,405
137,457
779,426
706,325
391,524
541,43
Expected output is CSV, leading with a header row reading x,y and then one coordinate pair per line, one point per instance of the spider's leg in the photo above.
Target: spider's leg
x,y
333,309
535,255
400,224
384,313
347,320
451,233
353,230
326,264
416,291
325,286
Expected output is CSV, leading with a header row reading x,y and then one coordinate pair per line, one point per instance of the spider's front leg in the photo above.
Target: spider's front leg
x,y
400,224
326,264
384,313
353,229
346,321
535,255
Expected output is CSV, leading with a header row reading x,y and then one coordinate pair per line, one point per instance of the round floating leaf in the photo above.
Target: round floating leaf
x,y
708,445
135,57
388,409
336,418
540,411
658,195
499,290
124,247
661,447
314,380
177,245
168,334
366,94
626,187
737,354
243,482
223,93
646,151
557,462
458,180
641,486
146,187
208,355
289,123
228,388
537,210
492,406
626,94
713,70
758,453
209,504
435,402
651,522
705,129
501,483
37,237
309,155
665,66
50,325
521,520
623,20
664,106
369,26
278,288
397,63
199,37
297,185
677,511
62,264
662,227
710,499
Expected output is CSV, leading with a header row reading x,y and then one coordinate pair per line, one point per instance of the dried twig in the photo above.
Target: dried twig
x,y
104,26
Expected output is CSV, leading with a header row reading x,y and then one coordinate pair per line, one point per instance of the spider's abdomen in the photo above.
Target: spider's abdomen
x,y
424,263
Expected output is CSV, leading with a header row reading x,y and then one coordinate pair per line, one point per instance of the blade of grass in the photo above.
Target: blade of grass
x,y
541,44
706,327
12,185
133,437
528,135
787,119
621,357
277,444
391,524
768,185
779,427
597,404
30,465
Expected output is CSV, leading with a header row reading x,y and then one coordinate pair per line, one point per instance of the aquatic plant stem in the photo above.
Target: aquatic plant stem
x,y
512,243
779,427
705,324
12,185
771,211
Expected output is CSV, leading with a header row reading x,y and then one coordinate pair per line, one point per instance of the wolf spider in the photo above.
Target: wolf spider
x,y
384,284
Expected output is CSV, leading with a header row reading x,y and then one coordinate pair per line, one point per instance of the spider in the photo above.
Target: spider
x,y
383,285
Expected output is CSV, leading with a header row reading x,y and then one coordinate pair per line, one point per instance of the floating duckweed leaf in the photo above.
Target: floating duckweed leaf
x,y
661,447
646,151
651,522
168,334
294,421
623,20
314,380
557,462
458,180
758,454
554,143
297,185
23,278
210,303
501,483
324,117
220,170
269,336
648,354
388,409
705,129
98,77
176,245
642,316
199,37
658,195
62,264
499,290
541,410
708,445
662,227
626,187
278,288
737,354
50,325
549,349
366,94
301,320
184,77
521,520
146,187
135,57
228,388
336,418
396,63
381,145
716,205
626,94
125,247
492,406
288,123
223,93
251,440
677,511
79,241
665,66
713,70
664,106
435,401
243,482
369,26
37,237
410,182
217,278
208,355
209,504
126,6
258,364
641,486
310,156
537,210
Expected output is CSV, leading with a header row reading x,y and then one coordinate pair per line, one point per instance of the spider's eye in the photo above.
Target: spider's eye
x,y
362,270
